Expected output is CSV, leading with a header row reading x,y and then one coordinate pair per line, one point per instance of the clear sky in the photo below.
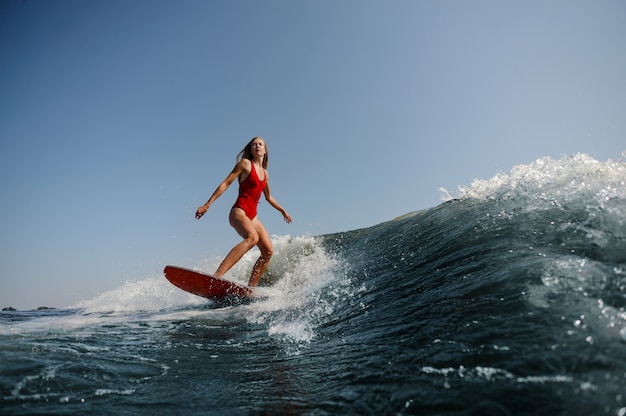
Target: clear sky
x,y
119,118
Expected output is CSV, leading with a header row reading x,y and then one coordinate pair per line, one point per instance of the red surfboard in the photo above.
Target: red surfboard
x,y
206,285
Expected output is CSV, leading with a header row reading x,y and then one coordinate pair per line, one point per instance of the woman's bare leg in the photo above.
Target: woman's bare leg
x,y
247,230
265,245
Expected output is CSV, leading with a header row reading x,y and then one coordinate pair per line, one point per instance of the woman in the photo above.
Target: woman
x,y
253,180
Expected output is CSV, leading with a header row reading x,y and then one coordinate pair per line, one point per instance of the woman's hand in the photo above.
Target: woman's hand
x,y
201,211
287,217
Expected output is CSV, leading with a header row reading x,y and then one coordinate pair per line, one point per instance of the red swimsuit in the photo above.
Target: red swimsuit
x,y
250,192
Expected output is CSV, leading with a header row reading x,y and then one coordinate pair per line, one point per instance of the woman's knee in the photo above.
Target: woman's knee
x,y
266,250
252,239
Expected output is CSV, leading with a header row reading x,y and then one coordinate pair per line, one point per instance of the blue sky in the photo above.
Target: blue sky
x,y
118,118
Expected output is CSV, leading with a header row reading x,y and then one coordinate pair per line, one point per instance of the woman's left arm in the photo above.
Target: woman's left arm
x,y
273,202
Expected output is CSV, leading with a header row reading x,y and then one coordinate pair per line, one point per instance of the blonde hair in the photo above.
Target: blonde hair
x,y
247,152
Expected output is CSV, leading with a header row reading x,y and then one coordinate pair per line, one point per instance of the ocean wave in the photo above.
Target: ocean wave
x,y
511,296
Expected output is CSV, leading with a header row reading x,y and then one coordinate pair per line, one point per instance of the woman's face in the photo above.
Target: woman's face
x,y
257,147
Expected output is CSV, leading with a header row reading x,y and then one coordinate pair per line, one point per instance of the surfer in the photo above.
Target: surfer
x,y
251,170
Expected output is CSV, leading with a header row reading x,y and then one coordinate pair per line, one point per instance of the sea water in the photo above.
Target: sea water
x,y
507,299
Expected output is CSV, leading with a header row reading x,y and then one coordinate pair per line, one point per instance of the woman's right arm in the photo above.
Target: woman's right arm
x,y
237,170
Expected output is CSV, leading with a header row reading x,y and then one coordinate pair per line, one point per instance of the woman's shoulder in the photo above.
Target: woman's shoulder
x,y
244,164
242,167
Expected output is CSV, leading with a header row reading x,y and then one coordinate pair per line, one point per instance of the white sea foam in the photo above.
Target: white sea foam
x,y
151,294
296,303
292,257
290,307
554,181
493,374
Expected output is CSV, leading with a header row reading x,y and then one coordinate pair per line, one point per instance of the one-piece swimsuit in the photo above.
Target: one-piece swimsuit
x,y
250,191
